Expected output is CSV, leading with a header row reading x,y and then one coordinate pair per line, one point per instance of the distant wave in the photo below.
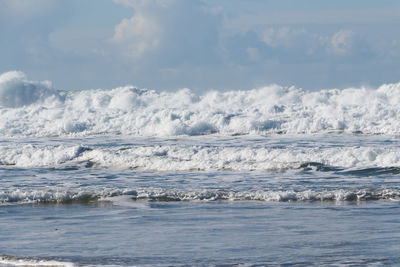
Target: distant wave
x,y
35,109
126,196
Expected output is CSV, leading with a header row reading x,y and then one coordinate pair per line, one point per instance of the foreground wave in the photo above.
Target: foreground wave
x,y
29,108
118,196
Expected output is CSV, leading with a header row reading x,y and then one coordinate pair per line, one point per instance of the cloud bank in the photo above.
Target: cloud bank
x,y
200,44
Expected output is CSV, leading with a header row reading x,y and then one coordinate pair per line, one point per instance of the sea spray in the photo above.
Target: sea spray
x,y
34,109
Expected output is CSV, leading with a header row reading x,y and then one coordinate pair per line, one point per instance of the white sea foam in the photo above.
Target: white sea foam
x,y
31,156
19,196
17,91
30,108
198,157
15,261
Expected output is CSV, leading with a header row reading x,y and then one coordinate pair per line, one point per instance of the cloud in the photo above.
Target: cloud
x,y
201,44
284,44
282,36
190,37
140,34
295,45
304,41
342,42
168,33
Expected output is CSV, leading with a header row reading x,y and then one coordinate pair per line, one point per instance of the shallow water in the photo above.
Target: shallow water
x,y
211,233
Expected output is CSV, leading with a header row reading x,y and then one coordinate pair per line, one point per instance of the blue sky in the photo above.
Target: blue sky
x,y
202,45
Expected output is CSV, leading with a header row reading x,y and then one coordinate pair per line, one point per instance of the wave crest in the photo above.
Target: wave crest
x,y
154,194
171,158
17,91
139,112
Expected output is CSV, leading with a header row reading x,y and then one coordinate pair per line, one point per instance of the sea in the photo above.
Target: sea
x,y
274,176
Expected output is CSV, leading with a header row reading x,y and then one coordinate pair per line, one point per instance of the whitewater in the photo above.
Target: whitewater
x,y
130,176
35,109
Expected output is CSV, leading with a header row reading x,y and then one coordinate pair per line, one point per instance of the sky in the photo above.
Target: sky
x,y
203,45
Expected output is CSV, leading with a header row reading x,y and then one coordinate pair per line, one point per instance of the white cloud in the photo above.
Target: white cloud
x,y
277,37
143,32
194,43
285,36
299,41
140,34
169,32
342,42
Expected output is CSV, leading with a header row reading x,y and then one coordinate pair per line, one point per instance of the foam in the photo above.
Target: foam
x,y
15,261
35,109
31,156
17,91
173,158
119,196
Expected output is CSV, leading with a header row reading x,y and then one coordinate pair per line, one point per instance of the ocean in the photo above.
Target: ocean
x,y
275,176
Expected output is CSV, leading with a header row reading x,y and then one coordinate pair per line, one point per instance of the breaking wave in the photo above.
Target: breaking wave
x,y
29,108
118,196
16,91
27,262
171,158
